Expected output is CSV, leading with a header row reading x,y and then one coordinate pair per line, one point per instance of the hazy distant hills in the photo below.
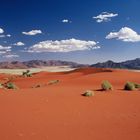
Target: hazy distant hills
x,y
37,64
130,64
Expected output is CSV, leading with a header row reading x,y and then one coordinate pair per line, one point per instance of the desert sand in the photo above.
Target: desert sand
x,y
59,112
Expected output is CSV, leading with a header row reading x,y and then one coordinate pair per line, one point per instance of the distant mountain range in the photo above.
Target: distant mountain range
x,y
37,64
130,64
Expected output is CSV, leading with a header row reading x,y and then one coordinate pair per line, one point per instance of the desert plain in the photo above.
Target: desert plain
x,y
59,111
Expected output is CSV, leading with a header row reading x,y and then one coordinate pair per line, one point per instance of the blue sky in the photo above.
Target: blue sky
x,y
86,31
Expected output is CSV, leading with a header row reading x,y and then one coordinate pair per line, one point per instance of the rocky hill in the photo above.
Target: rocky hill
x,y
130,64
37,64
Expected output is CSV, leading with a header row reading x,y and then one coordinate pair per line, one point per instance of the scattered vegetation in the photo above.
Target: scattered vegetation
x,y
8,84
137,85
37,86
88,93
27,73
131,86
11,86
1,86
106,85
53,82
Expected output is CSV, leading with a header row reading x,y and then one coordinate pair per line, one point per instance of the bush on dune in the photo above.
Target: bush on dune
x,y
53,82
37,86
11,86
137,85
131,86
106,86
88,93
27,73
1,86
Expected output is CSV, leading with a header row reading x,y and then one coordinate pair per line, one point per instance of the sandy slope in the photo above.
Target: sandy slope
x,y
60,112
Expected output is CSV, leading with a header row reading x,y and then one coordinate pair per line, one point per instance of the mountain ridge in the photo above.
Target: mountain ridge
x,y
37,64
129,64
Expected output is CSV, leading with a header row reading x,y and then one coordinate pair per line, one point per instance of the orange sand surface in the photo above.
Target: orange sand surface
x,y
59,112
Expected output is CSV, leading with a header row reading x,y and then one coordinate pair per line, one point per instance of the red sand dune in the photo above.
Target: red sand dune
x,y
60,112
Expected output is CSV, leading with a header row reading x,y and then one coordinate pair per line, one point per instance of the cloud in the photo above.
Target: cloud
x,y
2,52
63,46
104,17
1,31
32,32
19,44
5,49
66,21
125,34
11,56
8,35
2,36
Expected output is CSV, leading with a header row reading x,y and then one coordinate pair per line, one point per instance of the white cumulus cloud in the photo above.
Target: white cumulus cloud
x,y
104,17
2,52
1,31
2,36
63,46
5,49
66,21
125,34
11,56
8,35
32,32
19,44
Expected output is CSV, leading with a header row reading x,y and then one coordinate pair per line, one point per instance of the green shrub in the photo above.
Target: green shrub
x,y
137,85
129,86
29,74
1,86
26,73
53,82
106,85
11,86
88,93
